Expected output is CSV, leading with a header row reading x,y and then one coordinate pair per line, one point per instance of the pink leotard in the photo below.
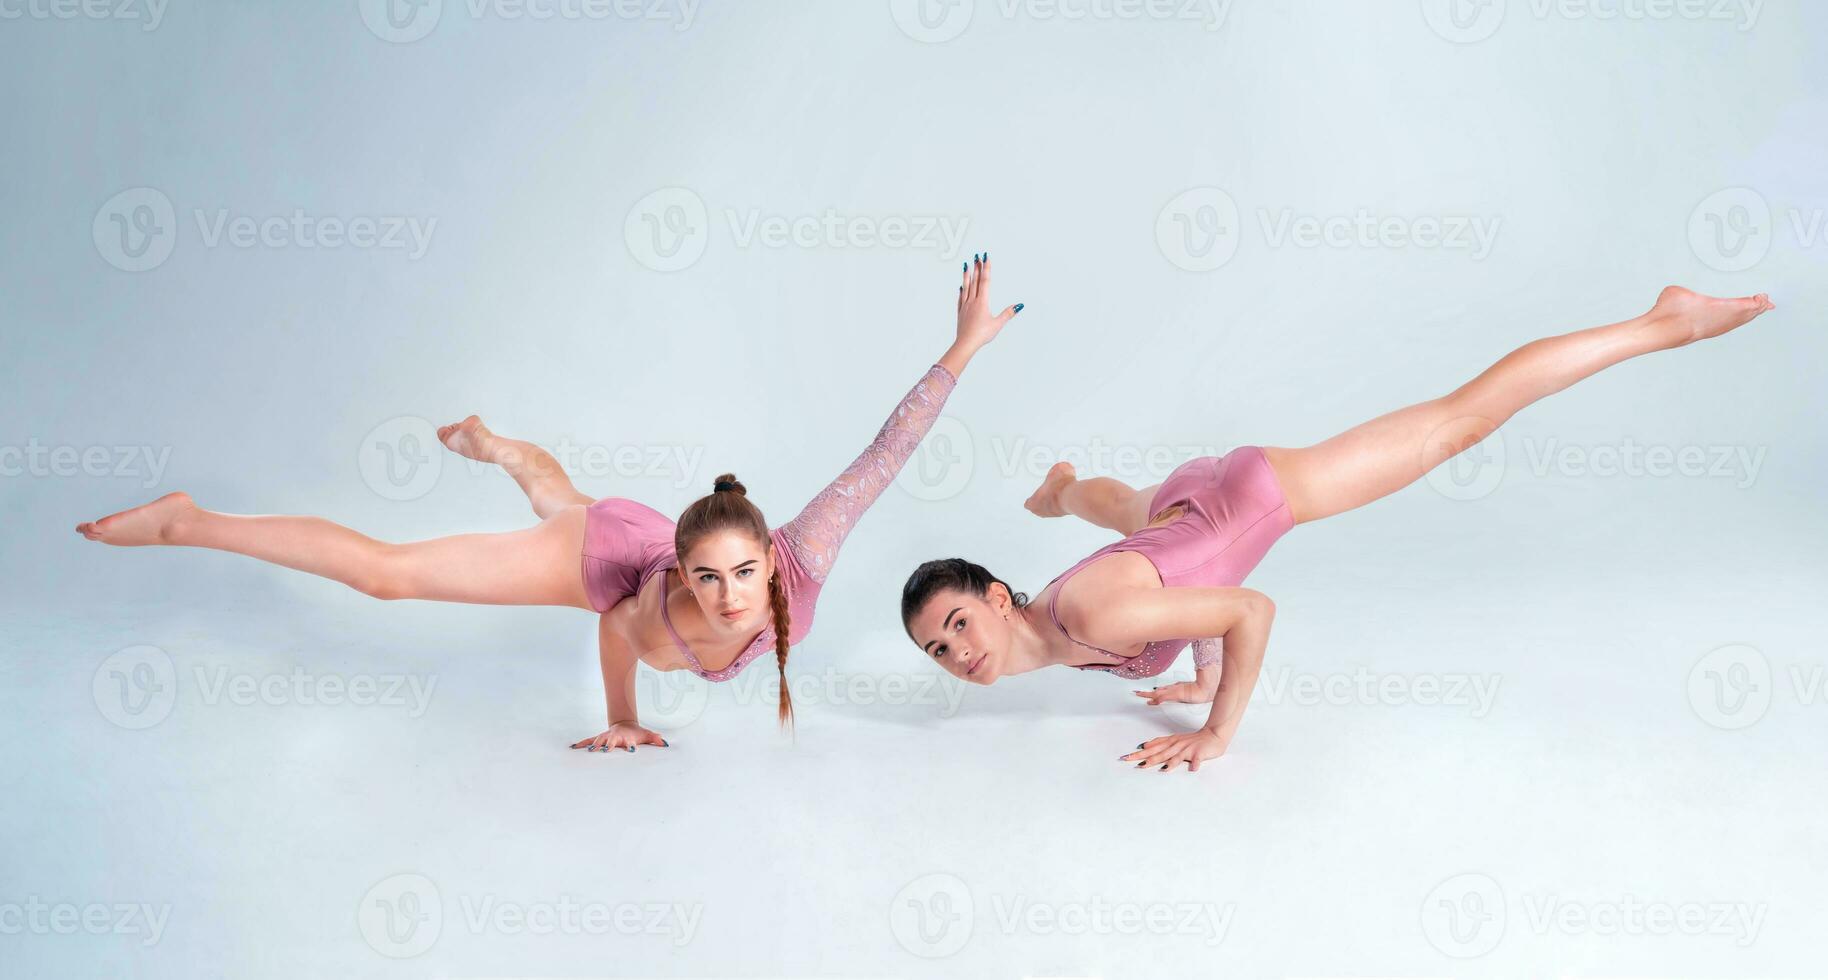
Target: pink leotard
x,y
1235,510
626,542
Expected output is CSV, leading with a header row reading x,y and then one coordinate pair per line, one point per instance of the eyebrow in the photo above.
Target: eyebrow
x,y
948,622
707,568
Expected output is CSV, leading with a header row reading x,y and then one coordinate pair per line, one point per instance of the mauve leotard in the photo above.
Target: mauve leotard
x,y
1235,510
626,542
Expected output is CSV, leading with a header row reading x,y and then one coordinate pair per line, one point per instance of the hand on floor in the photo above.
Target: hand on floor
x,y
622,735
1169,751
1186,692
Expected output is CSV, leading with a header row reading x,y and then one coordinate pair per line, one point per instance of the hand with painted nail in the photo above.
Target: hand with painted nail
x,y
623,735
1165,753
977,326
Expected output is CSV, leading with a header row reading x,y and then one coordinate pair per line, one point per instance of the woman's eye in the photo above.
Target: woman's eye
x,y
939,652
960,624
745,572
707,578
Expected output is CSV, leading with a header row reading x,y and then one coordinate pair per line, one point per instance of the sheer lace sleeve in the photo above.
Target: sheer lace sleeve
x,y
816,534
1209,652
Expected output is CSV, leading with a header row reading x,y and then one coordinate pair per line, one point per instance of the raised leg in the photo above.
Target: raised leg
x,y
535,567
1394,450
1100,500
540,477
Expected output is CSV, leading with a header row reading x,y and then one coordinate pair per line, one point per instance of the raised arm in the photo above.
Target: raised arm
x,y
1239,617
820,529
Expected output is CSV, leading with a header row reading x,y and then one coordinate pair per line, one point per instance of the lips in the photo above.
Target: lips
x,y
979,662
733,614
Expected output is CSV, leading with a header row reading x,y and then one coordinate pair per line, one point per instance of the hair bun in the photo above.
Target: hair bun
x,y
728,481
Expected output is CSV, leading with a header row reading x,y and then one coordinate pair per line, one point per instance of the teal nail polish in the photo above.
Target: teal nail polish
x,y
962,266
1018,307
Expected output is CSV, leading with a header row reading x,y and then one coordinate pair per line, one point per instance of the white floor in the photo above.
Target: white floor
x,y
1579,793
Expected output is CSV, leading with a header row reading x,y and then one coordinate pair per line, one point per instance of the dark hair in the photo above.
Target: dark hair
x,y
942,574
727,508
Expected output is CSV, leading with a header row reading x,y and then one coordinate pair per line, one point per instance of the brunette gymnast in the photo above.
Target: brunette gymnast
x,y
1176,576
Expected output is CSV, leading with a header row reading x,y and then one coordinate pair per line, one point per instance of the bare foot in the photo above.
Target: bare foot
x,y
468,438
153,523
1696,317
1045,501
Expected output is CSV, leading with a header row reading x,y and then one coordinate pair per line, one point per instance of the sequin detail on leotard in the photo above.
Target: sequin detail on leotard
x,y
806,547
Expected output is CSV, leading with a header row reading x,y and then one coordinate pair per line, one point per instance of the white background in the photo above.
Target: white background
x,y
1622,760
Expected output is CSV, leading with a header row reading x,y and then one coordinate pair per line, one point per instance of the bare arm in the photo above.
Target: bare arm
x,y
617,659
1239,617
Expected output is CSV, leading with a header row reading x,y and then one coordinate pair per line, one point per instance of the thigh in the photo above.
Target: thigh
x,y
1376,458
540,566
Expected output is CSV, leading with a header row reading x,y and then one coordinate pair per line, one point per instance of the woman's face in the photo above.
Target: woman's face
x,y
967,634
728,573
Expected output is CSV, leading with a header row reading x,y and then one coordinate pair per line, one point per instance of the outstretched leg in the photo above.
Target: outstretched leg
x,y
1394,450
1100,500
540,477
535,567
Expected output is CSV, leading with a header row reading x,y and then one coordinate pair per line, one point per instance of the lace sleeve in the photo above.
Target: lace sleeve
x,y
816,534
1209,652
